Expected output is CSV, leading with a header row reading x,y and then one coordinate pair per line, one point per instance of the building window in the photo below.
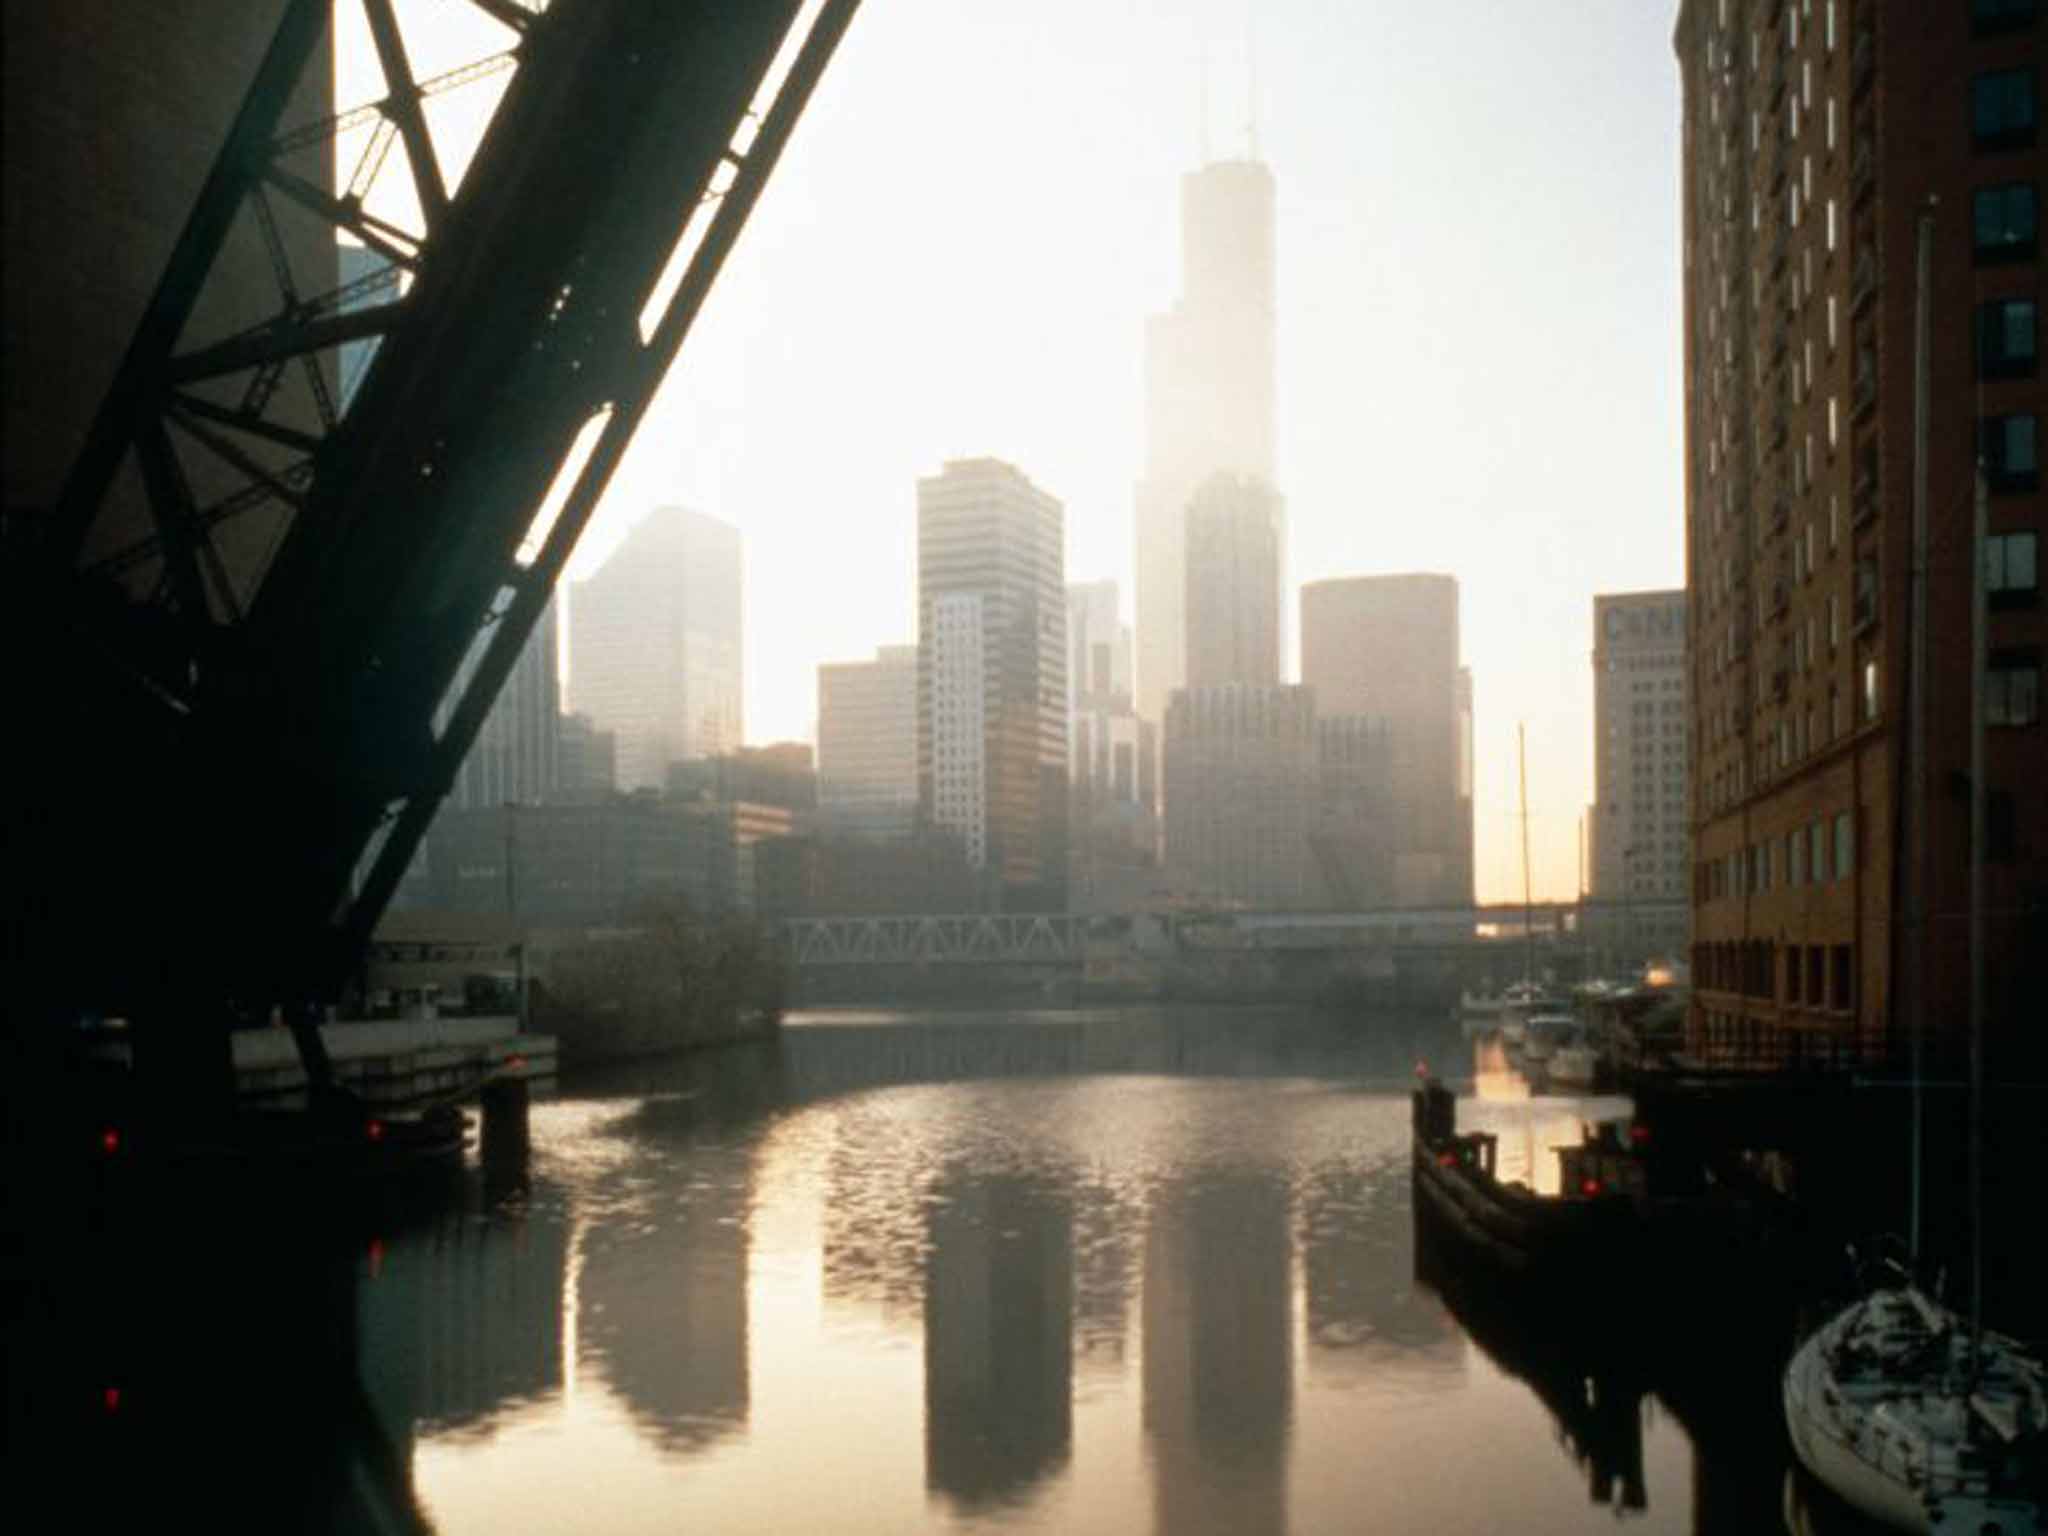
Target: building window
x,y
2008,345
2006,219
1870,689
1842,995
2010,446
2002,111
1988,16
1795,859
1845,845
2011,569
2012,689
1817,851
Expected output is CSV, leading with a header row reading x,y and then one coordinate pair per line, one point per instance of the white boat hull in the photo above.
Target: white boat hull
x,y
1890,1450
1574,1066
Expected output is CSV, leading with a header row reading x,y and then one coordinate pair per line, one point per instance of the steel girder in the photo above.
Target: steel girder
x,y
243,761
973,939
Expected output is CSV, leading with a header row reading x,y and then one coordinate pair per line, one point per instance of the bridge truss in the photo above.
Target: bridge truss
x,y
986,939
269,615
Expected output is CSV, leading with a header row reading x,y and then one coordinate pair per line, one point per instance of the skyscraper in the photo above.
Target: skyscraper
x,y
1209,382
867,744
1816,137
1113,755
1639,832
654,644
1098,643
1241,795
516,756
992,676
1233,559
1387,647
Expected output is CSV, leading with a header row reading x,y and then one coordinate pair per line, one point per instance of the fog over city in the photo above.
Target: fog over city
x,y
1047,767
1477,315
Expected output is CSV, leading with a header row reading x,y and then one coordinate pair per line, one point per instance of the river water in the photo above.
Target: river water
x,y
1132,1270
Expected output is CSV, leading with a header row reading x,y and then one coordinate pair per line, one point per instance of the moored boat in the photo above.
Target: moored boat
x,y
1884,1407
1574,1064
1565,1238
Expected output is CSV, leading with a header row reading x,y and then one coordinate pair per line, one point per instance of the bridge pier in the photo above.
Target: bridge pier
x,y
505,1139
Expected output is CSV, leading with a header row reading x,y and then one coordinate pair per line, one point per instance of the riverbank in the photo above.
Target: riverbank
x,y
671,984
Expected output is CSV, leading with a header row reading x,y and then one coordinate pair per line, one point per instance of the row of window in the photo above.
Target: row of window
x,y
1815,854
1805,975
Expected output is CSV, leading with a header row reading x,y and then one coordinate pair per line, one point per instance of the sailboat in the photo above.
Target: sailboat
x,y
1913,1414
1527,998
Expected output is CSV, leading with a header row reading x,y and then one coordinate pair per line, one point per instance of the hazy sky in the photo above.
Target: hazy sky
x,y
1479,324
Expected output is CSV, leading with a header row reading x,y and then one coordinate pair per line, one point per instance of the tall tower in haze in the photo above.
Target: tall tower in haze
x,y
1386,648
1233,558
1209,366
654,644
992,677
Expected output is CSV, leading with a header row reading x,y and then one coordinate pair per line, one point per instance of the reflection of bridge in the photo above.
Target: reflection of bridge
x,y
1048,939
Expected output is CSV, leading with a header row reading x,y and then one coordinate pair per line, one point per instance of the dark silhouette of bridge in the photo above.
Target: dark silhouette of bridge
x,y
267,618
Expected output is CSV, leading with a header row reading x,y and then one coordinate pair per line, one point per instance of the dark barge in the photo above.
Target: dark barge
x,y
1560,1239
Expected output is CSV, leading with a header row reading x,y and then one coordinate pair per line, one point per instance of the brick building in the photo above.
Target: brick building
x,y
1816,134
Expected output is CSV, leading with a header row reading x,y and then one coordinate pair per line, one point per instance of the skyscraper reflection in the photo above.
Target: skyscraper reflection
x,y
998,1331
460,1321
663,1304
1218,1374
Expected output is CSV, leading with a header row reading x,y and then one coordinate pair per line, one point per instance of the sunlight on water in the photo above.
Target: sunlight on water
x,y
943,1276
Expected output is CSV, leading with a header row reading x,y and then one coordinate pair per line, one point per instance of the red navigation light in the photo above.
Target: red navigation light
x,y
1589,1187
376,1257
374,1130
1448,1159
110,1141
515,1061
111,1399
1638,1132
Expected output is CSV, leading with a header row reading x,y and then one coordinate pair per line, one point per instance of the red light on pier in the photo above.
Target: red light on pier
x,y
1447,1159
111,1400
1589,1187
110,1141
514,1063
1639,1133
374,1130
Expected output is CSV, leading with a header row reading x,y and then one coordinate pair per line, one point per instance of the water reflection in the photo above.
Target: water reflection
x,y
1218,1374
1368,1320
1122,1272
662,1299
998,1331
1593,1385
461,1321
1105,1261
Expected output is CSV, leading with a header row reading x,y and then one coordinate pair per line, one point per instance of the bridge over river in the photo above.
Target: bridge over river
x,y
1407,956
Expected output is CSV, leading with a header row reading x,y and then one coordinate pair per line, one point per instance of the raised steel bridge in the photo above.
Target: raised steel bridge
x,y
1042,939
264,619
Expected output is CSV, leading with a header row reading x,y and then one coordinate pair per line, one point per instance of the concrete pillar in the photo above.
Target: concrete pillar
x,y
505,1137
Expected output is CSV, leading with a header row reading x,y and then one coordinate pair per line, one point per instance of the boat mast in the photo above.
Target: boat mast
x,y
1528,905
1916,731
1979,643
